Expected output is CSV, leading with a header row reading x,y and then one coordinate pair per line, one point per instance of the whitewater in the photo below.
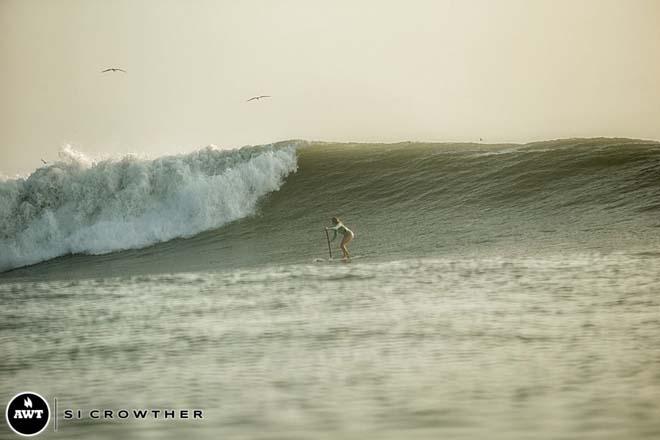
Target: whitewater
x,y
78,205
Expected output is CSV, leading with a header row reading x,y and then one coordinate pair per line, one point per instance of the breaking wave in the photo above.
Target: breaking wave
x,y
78,205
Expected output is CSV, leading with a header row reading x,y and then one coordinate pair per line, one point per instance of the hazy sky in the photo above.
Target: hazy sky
x,y
504,70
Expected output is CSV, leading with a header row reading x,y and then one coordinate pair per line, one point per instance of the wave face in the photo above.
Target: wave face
x,y
416,200
80,206
403,200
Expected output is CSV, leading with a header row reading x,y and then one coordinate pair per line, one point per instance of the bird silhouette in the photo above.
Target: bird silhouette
x,y
113,69
258,98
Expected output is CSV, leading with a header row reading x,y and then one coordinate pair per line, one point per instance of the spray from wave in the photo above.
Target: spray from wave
x,y
77,205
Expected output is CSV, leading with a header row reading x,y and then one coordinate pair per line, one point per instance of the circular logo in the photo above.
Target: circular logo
x,y
27,413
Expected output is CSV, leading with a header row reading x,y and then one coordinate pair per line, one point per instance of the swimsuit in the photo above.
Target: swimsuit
x,y
339,227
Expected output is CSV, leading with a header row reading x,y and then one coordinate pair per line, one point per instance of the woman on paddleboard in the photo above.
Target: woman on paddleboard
x,y
339,227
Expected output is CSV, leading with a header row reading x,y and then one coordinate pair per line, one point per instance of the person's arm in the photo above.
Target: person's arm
x,y
333,229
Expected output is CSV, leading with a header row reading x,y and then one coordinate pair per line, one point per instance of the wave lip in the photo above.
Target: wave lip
x,y
80,206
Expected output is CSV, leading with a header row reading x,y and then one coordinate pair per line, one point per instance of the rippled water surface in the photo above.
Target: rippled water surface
x,y
564,346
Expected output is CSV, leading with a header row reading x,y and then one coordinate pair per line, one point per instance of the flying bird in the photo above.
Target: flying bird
x,y
45,163
113,69
258,98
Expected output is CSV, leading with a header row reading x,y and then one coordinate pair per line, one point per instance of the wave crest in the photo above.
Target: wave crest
x,y
80,206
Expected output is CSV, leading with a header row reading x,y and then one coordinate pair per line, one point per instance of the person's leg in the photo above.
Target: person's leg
x,y
347,239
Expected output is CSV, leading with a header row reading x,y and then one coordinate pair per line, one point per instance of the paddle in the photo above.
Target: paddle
x,y
327,237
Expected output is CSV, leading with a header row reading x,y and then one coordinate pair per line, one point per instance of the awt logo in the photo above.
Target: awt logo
x,y
27,413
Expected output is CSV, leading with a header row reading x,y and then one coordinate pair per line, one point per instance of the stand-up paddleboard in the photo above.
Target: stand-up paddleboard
x,y
336,260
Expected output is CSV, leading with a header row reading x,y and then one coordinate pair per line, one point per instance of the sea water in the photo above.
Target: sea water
x,y
501,292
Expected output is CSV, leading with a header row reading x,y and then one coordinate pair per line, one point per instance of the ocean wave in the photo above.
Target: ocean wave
x,y
407,199
78,205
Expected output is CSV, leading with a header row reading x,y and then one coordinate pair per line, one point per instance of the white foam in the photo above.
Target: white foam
x,y
77,205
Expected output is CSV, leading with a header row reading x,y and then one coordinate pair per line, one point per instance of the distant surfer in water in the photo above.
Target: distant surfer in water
x,y
339,227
